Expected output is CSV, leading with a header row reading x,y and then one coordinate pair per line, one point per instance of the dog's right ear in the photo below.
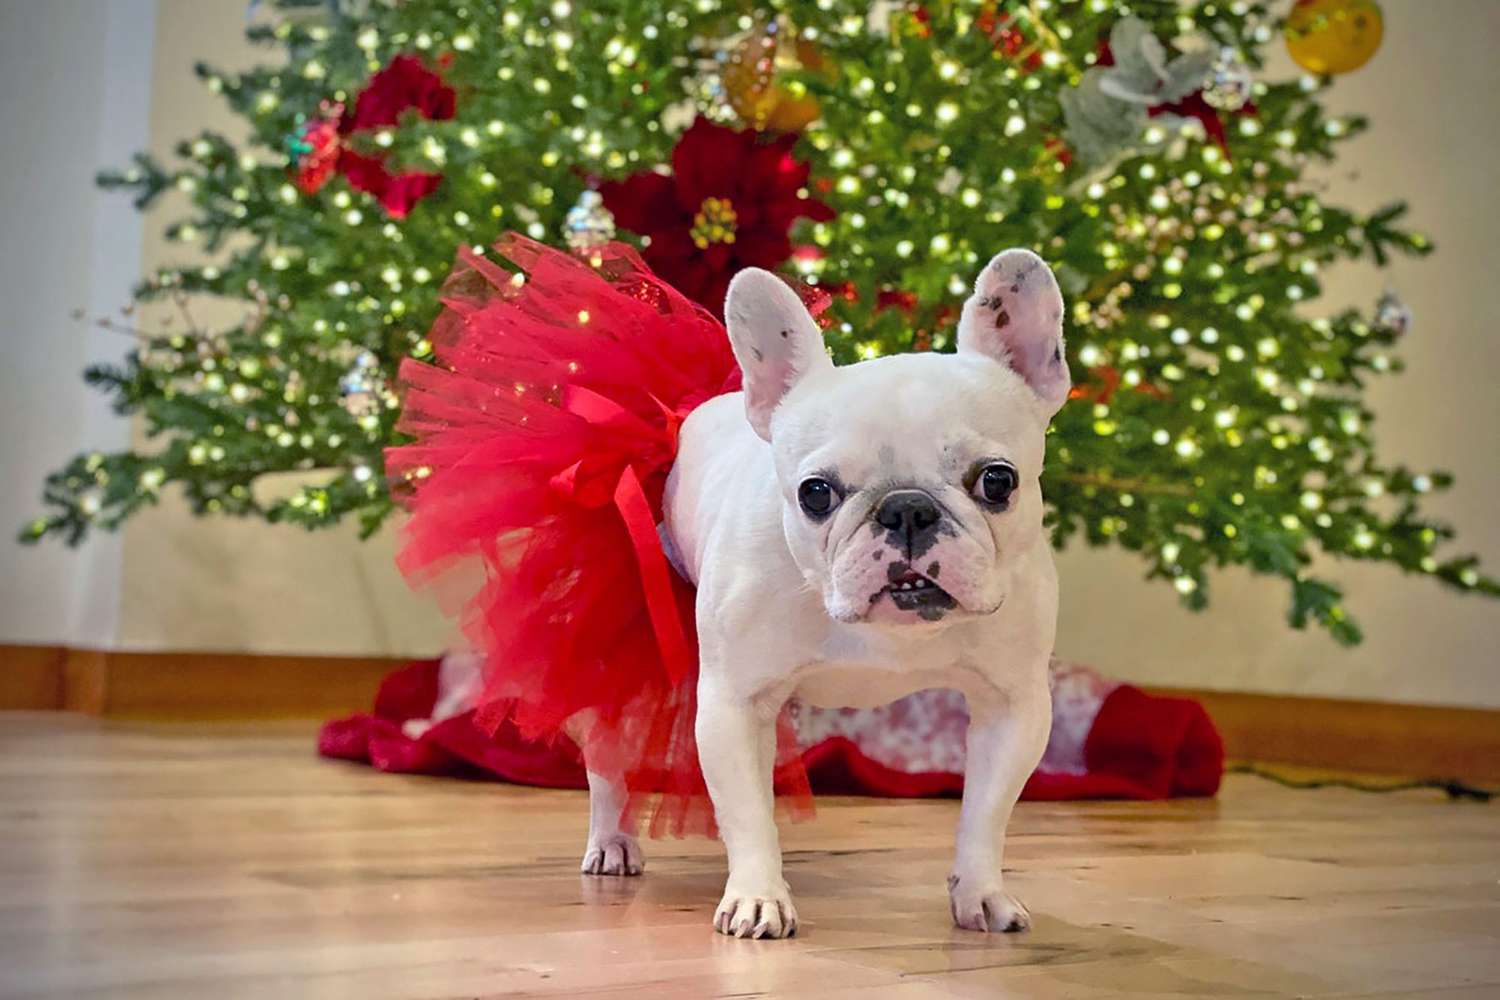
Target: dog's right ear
x,y
1016,317
775,340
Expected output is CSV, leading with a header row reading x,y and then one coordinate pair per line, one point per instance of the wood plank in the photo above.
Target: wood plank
x,y
1376,737
225,860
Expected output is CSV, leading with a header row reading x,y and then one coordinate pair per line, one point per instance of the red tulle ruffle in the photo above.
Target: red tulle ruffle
x,y
543,438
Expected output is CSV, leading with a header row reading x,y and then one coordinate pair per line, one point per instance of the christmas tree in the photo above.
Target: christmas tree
x,y
878,152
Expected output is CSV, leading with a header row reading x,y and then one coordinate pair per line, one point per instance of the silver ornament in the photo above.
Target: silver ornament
x,y
361,387
588,224
1392,314
1230,81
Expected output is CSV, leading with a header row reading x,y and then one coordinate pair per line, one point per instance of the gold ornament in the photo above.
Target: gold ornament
x,y
1333,36
753,89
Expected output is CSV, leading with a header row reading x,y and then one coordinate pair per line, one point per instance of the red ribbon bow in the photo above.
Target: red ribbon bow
x,y
618,481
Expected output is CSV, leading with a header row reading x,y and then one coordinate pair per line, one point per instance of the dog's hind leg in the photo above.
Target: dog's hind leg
x,y
612,847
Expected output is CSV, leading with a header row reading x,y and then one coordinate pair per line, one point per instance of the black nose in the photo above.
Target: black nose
x,y
910,513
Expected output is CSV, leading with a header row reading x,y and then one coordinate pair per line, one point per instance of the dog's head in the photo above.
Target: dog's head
x,y
909,483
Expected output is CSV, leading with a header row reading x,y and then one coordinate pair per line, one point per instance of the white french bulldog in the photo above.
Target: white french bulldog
x,y
857,534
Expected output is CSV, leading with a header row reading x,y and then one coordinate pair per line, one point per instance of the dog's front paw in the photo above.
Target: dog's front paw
x,y
616,854
980,905
764,912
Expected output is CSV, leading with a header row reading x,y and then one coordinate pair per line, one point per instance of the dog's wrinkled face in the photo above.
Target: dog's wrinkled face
x,y
909,483
907,480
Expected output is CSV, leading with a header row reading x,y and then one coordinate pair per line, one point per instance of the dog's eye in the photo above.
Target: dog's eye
x,y
995,484
817,496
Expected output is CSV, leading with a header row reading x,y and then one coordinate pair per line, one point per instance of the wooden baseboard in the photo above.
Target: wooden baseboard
x,y
1428,741
1372,737
188,686
31,677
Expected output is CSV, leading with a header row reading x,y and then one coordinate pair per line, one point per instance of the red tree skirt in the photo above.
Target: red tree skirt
x,y
1125,745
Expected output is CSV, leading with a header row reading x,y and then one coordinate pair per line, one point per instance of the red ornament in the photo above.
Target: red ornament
x,y
1102,383
1007,39
315,148
843,290
1059,150
896,298
729,204
904,302
919,22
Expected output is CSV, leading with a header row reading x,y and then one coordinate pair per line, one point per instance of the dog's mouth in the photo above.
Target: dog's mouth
x,y
910,591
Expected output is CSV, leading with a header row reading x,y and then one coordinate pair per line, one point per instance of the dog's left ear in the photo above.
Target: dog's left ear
x,y
775,340
1015,316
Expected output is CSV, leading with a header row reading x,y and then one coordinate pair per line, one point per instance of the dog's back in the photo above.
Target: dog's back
x,y
718,456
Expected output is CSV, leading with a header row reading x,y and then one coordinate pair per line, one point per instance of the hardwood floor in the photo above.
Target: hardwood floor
x,y
226,861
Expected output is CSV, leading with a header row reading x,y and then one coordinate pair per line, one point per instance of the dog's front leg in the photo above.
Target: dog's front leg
x,y
737,750
1007,736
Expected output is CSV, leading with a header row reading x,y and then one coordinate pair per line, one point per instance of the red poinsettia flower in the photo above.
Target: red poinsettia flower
x,y
728,204
396,192
403,85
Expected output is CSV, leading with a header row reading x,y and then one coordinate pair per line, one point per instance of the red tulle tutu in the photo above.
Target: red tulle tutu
x,y
543,438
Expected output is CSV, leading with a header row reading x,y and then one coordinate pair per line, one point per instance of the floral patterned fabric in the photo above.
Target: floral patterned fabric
x,y
1108,740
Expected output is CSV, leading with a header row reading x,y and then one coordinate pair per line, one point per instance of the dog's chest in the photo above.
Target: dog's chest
x,y
858,670
846,686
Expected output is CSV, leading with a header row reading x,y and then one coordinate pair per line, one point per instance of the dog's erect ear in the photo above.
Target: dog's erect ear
x,y
1015,316
775,340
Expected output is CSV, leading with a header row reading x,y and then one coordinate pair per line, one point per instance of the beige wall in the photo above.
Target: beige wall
x,y
237,585
1432,141
229,585
74,93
